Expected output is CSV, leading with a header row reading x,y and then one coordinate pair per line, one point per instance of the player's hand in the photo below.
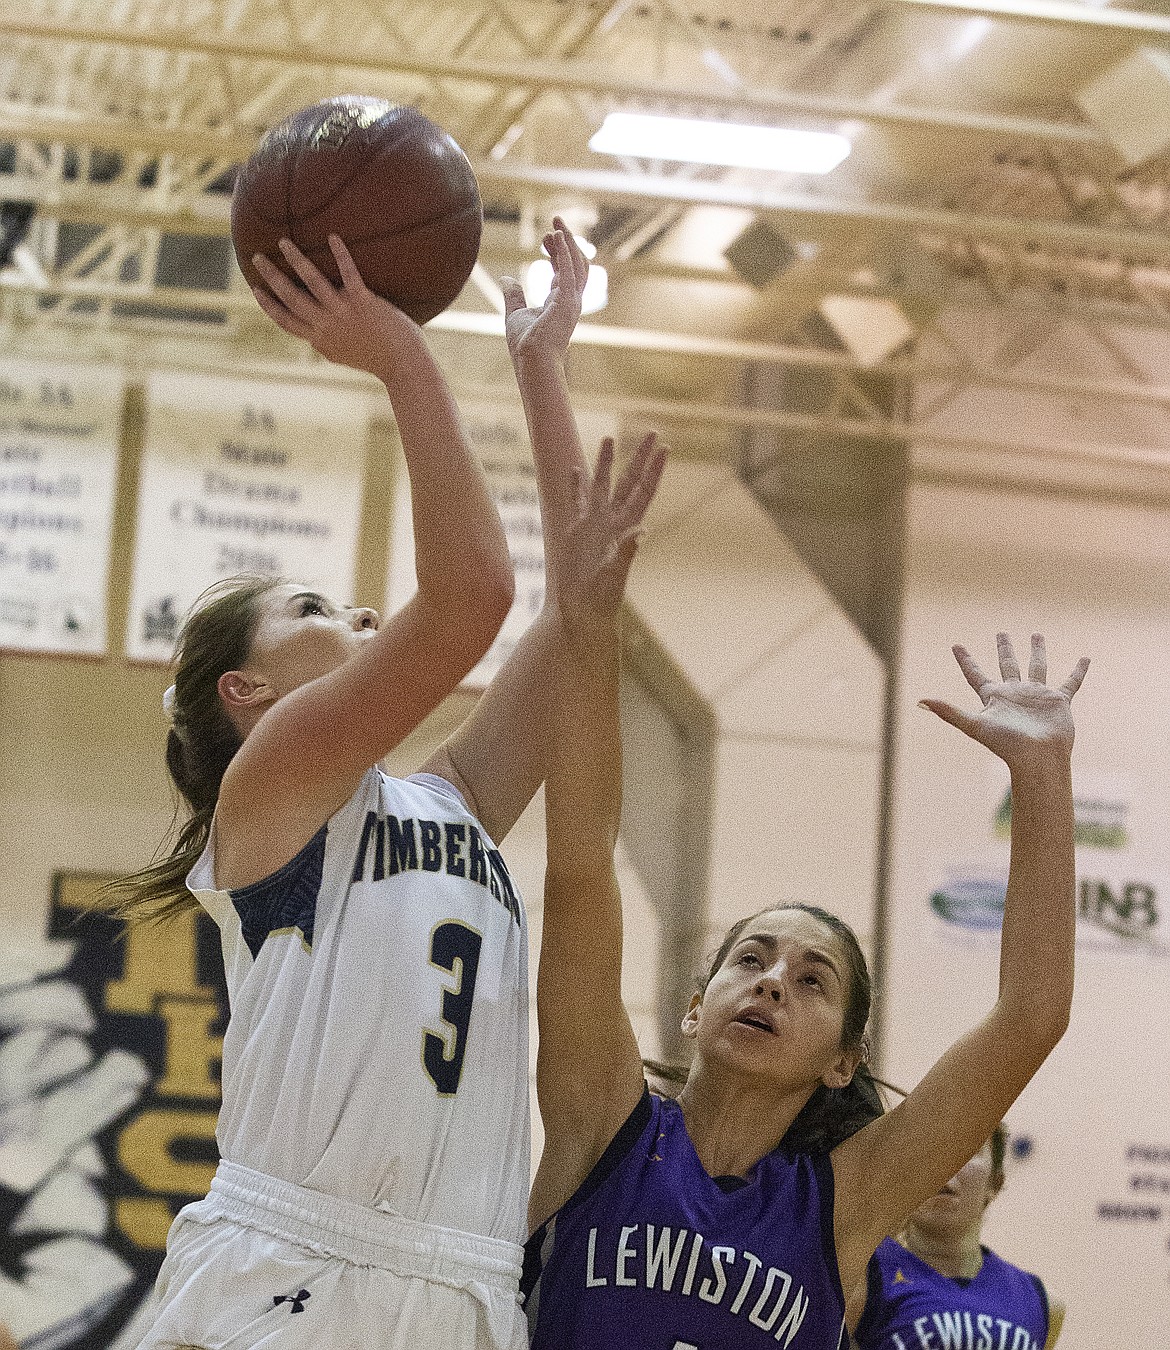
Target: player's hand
x,y
1021,719
547,330
348,324
601,542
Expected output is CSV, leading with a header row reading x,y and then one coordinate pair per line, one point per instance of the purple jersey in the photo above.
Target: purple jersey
x,y
910,1306
652,1253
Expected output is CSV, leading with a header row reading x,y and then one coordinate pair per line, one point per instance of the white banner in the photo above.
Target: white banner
x,y
240,476
499,434
58,474
1121,903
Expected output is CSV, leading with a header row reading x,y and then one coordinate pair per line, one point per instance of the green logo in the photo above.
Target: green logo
x,y
1098,823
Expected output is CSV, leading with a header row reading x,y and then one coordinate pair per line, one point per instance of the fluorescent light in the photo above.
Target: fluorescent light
x,y
538,283
697,142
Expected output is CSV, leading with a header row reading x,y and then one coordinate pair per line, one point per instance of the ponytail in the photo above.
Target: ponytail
x,y
217,637
831,1115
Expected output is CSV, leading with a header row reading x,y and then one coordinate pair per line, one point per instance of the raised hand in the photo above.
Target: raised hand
x,y
602,541
547,330
1020,718
348,324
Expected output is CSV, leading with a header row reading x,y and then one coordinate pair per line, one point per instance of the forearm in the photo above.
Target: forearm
x,y
1039,925
584,784
460,547
556,446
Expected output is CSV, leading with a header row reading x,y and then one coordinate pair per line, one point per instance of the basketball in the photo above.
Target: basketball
x,y
392,184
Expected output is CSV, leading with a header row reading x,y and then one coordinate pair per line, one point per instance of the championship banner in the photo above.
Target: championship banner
x,y
58,474
109,1091
499,434
241,476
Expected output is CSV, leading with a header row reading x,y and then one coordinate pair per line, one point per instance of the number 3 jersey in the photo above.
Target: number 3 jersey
x,y
652,1253
377,1048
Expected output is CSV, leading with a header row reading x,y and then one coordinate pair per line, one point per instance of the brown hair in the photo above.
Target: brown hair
x,y
998,1142
216,637
830,1115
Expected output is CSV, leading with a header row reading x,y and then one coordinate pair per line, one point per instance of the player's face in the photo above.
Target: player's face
x,y
303,635
775,1008
958,1206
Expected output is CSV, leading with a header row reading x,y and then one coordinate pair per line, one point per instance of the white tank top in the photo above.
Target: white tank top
x,y
378,1043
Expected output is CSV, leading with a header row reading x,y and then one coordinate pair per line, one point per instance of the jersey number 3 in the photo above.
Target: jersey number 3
x,y
455,949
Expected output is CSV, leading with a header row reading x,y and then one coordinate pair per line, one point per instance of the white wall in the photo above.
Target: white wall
x,y
795,694
1094,575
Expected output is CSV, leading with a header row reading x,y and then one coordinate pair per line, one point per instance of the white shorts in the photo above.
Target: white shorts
x,y
262,1262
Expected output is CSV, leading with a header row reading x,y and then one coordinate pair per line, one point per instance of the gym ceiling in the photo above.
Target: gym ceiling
x,y
982,174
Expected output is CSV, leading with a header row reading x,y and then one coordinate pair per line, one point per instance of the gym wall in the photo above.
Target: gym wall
x,y
1087,1199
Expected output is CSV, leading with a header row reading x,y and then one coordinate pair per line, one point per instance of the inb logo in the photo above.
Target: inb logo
x,y
1128,911
971,902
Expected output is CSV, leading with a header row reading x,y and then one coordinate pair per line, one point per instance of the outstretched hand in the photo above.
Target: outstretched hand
x,y
601,542
1020,717
547,330
348,324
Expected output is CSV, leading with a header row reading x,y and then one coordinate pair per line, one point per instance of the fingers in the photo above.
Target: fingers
x,y
949,713
574,254
622,506
640,481
279,314
513,295
351,278
296,301
634,469
1009,667
972,672
314,282
1073,683
602,475
1038,662
565,286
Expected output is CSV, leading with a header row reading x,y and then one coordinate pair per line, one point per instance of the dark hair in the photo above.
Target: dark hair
x,y
830,1115
998,1142
216,637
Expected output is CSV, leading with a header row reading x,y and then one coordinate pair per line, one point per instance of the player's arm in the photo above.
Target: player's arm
x,y
885,1170
1056,1310
588,1068
308,753
854,1307
497,758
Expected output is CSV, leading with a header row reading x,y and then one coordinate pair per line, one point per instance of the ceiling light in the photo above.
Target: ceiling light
x,y
645,136
538,283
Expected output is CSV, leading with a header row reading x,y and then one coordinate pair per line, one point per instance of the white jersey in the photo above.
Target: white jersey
x,y
377,1049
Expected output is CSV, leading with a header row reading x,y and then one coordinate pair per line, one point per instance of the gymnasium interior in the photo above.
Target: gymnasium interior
x,y
913,398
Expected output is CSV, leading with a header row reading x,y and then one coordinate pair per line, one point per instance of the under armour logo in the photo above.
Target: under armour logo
x,y
297,1300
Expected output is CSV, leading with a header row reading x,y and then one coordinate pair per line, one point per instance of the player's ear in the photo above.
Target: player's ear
x,y
240,691
690,1022
839,1073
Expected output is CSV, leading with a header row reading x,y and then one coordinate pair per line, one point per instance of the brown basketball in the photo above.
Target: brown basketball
x,y
391,183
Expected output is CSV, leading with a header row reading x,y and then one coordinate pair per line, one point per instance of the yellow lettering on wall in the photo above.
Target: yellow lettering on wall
x,y
145,1151
144,1221
160,959
192,1051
